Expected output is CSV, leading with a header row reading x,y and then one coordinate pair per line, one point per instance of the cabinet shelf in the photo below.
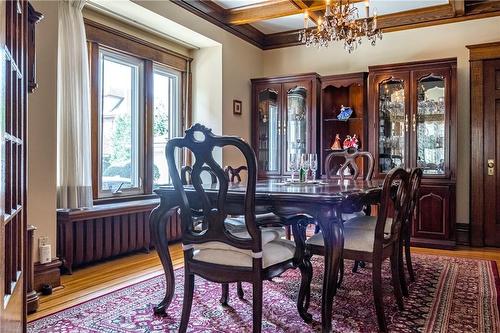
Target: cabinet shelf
x,y
341,121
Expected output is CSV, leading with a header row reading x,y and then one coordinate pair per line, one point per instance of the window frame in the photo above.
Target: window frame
x,y
153,56
175,125
139,100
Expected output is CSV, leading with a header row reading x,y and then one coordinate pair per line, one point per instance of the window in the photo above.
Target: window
x,y
166,106
139,108
121,123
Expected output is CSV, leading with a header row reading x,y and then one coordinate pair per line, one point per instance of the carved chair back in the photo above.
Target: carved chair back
x,y
234,173
201,142
395,194
415,181
187,170
350,155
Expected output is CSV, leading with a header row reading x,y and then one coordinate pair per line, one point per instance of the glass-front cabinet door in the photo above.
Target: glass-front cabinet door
x,y
429,123
268,129
393,122
296,121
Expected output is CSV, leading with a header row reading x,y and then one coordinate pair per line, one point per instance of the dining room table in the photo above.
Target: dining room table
x,y
323,201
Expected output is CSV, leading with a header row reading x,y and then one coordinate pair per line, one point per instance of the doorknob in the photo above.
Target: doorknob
x,y
491,167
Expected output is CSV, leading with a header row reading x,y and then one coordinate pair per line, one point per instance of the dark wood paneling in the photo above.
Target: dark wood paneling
x,y
433,213
108,230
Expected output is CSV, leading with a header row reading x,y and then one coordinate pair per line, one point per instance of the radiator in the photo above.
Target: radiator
x,y
106,231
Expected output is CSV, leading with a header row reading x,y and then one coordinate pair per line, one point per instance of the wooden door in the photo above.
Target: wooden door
x,y
13,215
431,100
267,128
297,121
491,152
390,119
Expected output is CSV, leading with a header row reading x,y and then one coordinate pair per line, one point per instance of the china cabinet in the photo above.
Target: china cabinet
x,y
284,120
348,90
412,116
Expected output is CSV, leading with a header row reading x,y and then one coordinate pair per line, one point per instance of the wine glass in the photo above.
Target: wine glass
x,y
304,164
293,164
313,164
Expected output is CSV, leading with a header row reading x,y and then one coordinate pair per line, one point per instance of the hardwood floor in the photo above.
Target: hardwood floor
x,y
97,280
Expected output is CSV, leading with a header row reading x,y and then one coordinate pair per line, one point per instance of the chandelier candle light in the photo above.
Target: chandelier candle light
x,y
341,22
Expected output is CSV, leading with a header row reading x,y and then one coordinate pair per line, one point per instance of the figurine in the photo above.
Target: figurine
x,y
355,141
336,144
345,113
347,142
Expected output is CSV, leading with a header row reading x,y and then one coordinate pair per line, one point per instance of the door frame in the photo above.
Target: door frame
x,y
477,55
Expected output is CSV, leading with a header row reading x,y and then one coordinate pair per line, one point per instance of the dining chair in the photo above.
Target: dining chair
x,y
215,253
415,180
234,224
377,244
335,169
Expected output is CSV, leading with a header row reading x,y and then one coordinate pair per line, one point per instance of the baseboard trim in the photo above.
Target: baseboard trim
x,y
49,273
32,302
462,232
433,243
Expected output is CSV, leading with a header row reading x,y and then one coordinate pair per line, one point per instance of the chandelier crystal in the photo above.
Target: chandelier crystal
x,y
341,22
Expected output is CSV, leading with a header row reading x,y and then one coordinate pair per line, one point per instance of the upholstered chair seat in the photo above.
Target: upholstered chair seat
x,y
367,222
237,224
273,252
355,239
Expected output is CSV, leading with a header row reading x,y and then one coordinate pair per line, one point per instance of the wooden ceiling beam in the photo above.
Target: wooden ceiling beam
x,y
303,5
272,9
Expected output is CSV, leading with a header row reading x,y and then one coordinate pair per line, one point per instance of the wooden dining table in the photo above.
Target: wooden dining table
x,y
323,201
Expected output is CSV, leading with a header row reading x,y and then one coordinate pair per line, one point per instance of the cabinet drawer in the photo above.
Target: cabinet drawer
x,y
434,212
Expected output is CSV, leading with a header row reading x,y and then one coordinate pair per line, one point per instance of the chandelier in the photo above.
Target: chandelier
x,y
341,23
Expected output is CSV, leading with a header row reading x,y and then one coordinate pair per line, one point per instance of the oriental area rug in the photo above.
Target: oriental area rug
x,y
449,295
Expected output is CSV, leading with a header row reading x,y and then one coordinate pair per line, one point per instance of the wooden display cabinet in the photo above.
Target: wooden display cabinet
x,y
337,91
412,117
284,120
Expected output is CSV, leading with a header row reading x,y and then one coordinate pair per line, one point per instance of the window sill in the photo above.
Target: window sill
x,y
119,198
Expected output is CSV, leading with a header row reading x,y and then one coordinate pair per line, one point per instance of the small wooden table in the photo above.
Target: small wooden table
x,y
324,202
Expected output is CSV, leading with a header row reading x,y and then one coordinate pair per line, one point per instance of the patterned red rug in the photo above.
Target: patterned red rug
x,y
450,295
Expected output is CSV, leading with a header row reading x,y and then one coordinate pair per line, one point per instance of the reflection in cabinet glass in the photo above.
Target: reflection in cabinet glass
x,y
268,130
393,124
430,124
297,121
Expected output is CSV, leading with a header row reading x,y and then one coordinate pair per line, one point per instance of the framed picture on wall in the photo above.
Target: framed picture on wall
x,y
237,105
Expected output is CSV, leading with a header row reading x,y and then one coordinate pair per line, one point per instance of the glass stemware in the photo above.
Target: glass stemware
x,y
293,163
313,165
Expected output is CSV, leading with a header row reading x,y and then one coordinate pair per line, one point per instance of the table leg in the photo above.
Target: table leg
x,y
333,235
157,221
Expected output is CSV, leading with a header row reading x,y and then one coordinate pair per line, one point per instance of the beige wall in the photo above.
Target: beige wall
x,y
409,45
42,125
241,61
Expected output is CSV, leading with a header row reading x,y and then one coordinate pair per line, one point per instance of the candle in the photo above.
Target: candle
x,y
319,23
306,19
374,20
367,8
327,11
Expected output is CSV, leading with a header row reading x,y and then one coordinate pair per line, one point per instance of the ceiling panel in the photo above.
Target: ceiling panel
x,y
382,7
229,4
281,24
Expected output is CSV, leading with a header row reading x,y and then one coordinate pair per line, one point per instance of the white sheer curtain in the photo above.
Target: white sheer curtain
x,y
74,179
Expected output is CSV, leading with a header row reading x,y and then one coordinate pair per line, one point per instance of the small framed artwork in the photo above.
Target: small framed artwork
x,y
237,107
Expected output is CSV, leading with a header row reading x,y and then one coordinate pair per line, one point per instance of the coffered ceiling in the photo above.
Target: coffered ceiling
x,y
273,24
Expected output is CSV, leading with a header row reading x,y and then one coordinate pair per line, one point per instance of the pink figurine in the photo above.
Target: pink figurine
x,y
355,142
347,142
